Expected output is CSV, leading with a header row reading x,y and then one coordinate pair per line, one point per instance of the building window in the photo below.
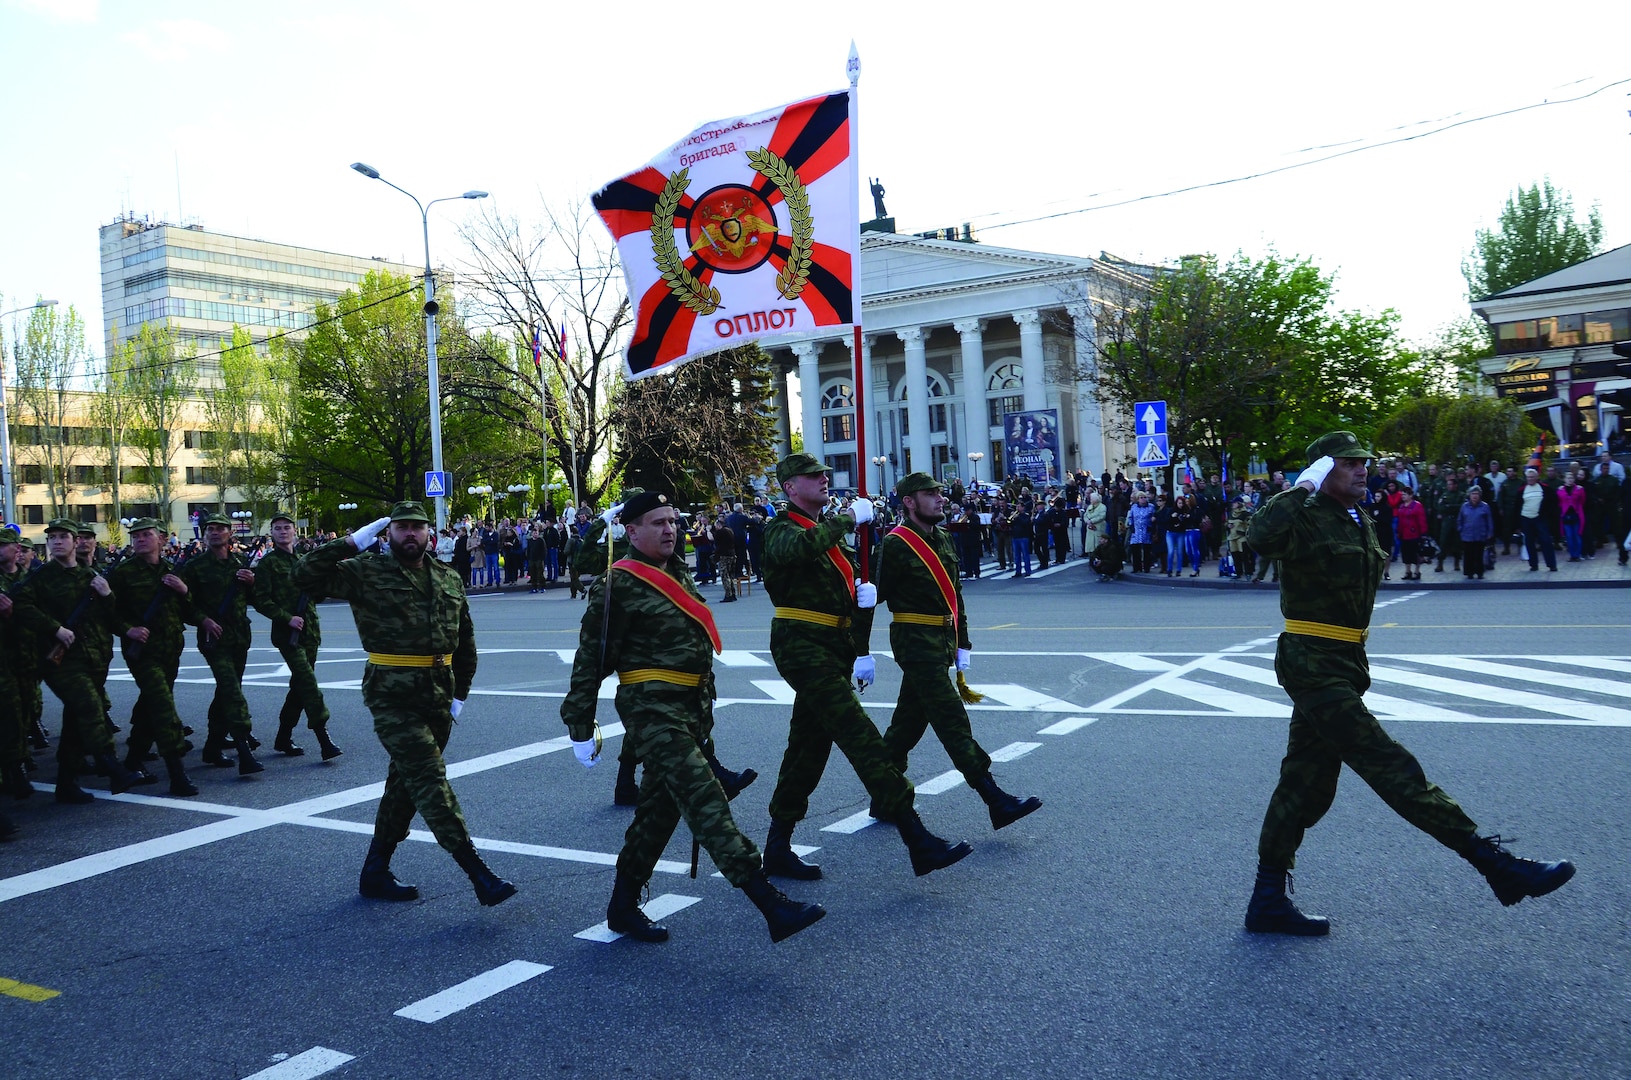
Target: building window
x,y
937,410
843,469
997,408
93,475
87,513
33,515
34,474
838,413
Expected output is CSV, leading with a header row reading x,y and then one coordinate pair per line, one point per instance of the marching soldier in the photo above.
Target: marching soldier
x,y
928,633
151,611
414,620
27,660
1331,566
221,585
296,634
71,606
13,714
818,639
647,622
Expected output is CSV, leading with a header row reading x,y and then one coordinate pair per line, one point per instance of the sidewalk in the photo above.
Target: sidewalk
x,y
1511,572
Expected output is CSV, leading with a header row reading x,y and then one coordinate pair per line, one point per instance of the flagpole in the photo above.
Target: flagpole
x,y
853,67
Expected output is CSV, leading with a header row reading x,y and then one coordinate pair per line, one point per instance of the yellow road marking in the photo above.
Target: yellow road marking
x,y
13,988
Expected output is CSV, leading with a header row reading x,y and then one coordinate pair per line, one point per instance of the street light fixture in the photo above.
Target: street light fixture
x,y
5,427
880,461
430,325
974,459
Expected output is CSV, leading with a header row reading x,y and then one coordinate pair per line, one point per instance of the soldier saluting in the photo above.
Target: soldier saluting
x,y
928,634
1330,567
657,634
222,585
414,620
296,634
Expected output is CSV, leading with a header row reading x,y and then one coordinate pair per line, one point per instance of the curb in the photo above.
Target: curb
x,y
1216,583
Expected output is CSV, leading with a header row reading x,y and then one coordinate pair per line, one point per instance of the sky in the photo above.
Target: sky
x,y
245,118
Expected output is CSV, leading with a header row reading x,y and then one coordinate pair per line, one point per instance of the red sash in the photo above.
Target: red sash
x,y
845,570
676,595
937,569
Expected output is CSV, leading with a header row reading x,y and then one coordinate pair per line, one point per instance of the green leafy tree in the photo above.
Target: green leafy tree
x,y
1411,427
1536,234
48,361
231,408
114,411
160,381
1480,428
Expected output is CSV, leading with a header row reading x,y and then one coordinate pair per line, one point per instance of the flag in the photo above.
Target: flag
x,y
742,231
537,352
1537,458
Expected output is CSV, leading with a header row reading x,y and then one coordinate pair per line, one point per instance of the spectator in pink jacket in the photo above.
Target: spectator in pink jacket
x,y
1571,512
1410,523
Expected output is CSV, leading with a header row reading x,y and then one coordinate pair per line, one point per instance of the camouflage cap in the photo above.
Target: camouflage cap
x,y
627,494
9,535
24,541
85,530
215,519
283,515
409,511
66,525
800,464
1337,444
642,504
912,483
141,523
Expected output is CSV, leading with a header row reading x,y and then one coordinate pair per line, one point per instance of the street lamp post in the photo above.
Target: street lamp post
x,y
5,425
430,325
880,461
974,459
483,489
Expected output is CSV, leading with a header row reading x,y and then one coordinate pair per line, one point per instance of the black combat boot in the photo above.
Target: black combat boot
x,y
627,792
214,752
17,783
376,881
284,743
119,779
1005,808
7,828
779,859
733,782
929,852
490,888
783,916
179,784
1272,912
624,916
247,765
68,789
330,751
39,737
1510,877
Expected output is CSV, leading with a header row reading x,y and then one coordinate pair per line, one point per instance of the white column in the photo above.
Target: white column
x,y
976,426
784,409
809,355
917,398
1089,420
1030,357
865,415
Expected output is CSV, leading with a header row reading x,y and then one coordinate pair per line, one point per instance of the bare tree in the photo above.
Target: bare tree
x,y
114,410
161,380
49,359
231,409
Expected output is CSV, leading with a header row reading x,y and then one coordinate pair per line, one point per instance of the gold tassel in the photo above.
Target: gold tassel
x,y
969,695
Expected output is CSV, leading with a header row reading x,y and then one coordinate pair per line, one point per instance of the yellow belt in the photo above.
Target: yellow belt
x,y
438,660
1327,630
820,618
918,619
657,674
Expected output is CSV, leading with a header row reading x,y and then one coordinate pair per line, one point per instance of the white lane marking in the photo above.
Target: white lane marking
x,y
1068,725
660,908
1134,661
800,850
482,843
1391,707
1562,679
938,785
1398,600
1013,750
567,656
1056,567
1577,710
314,1062
465,994
1023,697
104,861
740,658
852,824
776,690
1599,663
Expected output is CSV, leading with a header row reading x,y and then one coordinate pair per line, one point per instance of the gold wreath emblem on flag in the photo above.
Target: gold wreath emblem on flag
x,y
790,282
700,298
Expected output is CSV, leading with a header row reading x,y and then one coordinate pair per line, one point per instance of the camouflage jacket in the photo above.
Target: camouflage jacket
x,y
798,574
590,558
277,597
47,600
1446,508
135,583
643,630
16,656
400,611
1330,567
210,581
906,585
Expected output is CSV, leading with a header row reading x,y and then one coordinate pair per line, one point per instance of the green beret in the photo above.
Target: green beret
x,y
67,525
146,523
8,535
642,504
1338,444
283,515
798,465
215,519
912,483
409,511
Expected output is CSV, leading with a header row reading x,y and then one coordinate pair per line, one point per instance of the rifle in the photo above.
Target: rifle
x,y
206,644
58,649
161,594
300,604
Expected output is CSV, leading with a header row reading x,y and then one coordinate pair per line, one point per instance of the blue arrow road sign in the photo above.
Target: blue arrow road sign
x,y
436,485
1152,452
1150,418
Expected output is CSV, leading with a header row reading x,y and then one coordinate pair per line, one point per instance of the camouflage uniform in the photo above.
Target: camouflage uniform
x,y
667,727
42,605
1448,507
155,664
13,733
1331,567
421,613
279,599
210,582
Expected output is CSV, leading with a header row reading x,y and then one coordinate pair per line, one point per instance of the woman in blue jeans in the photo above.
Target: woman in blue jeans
x,y
1192,532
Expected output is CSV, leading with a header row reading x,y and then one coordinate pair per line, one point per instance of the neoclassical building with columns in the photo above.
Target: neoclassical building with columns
x,y
957,335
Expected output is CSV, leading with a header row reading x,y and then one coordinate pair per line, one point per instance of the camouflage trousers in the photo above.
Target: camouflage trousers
x,y
727,575
304,693
826,711
85,725
154,718
1329,728
678,783
13,733
417,779
929,698
229,709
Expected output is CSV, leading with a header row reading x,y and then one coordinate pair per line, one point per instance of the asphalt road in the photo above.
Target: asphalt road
x,y
223,937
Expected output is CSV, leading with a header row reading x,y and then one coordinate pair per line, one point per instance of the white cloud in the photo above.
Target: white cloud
x,y
178,39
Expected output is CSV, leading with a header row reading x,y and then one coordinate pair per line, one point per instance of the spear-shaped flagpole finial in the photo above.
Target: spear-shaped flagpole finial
x,y
854,65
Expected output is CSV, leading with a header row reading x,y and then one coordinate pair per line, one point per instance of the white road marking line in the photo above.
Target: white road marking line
x,y
852,824
938,785
1013,750
1056,567
776,690
800,850
314,1062
1134,661
740,658
465,994
1023,697
660,908
1068,725
567,655
1599,663
1577,710
1391,707
1562,679
102,862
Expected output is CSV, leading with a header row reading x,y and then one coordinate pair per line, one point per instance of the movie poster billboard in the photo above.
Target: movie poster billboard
x,y
1032,446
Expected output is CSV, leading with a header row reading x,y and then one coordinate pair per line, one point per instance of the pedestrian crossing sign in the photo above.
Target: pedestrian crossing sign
x,y
436,485
1152,451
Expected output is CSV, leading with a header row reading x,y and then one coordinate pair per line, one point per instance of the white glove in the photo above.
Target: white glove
x,y
613,512
866,669
1317,472
861,511
866,594
364,537
456,708
585,751
963,657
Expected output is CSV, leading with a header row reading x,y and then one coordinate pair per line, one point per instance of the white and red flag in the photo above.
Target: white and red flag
x,y
743,230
